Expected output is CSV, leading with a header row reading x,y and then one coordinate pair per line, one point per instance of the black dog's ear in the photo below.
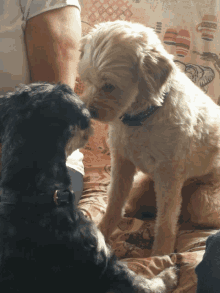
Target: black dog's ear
x,y
9,103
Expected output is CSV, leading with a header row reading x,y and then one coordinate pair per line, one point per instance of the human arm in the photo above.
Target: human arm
x,y
52,42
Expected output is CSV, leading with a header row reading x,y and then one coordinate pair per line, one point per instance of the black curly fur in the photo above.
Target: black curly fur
x,y
36,124
49,248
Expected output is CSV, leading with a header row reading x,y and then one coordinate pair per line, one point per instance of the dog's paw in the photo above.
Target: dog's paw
x,y
170,277
129,210
166,281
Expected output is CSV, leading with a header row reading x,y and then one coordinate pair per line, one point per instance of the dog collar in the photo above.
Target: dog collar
x,y
138,119
60,197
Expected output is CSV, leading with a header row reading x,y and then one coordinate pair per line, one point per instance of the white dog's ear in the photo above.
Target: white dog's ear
x,y
154,71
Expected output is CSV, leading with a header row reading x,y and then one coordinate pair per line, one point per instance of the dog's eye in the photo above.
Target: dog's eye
x,y
108,88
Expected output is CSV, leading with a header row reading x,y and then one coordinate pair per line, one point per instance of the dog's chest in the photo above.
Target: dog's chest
x,y
144,161
135,145
141,157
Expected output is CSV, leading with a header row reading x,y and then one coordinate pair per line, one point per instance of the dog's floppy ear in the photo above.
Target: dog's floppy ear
x,y
154,71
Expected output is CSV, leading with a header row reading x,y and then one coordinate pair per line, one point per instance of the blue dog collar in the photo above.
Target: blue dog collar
x,y
138,119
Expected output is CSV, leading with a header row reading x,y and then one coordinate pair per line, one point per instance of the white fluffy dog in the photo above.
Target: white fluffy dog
x,y
160,122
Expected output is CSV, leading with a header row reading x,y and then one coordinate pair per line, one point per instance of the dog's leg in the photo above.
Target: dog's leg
x,y
141,197
122,174
168,188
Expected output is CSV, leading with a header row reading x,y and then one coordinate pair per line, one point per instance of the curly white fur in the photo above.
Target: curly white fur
x,y
126,69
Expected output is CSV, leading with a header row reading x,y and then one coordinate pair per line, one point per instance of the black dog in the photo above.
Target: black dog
x,y
47,244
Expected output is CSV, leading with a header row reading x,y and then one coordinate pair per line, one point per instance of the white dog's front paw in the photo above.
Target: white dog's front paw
x,y
170,277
